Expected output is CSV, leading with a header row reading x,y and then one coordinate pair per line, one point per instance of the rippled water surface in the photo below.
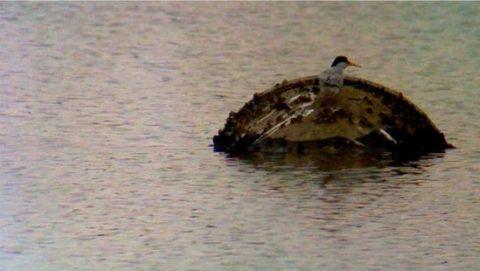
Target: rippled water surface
x,y
108,109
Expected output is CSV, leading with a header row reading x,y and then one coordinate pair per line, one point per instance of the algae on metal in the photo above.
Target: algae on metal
x,y
363,116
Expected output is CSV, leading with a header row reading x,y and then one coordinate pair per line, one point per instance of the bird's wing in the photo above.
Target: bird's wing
x,y
331,78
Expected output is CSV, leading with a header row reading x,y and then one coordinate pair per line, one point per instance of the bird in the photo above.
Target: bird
x,y
332,78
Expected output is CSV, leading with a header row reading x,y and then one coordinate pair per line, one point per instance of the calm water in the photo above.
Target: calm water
x,y
108,109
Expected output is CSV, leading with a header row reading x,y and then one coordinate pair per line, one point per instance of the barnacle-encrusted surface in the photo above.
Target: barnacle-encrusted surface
x,y
300,116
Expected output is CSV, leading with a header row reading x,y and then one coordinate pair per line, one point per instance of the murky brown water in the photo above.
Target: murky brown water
x,y
108,109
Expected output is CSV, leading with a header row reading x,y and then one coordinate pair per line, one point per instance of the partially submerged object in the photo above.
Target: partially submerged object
x,y
295,116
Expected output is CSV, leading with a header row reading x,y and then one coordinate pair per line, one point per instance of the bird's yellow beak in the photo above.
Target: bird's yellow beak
x,y
351,63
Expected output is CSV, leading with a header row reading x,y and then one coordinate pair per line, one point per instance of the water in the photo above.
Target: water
x,y
108,109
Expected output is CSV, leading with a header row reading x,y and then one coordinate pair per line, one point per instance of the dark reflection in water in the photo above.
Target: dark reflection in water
x,y
329,162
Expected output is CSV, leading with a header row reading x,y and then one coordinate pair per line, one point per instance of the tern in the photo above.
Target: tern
x,y
332,78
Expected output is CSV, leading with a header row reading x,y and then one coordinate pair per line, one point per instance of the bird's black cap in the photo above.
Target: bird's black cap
x,y
340,59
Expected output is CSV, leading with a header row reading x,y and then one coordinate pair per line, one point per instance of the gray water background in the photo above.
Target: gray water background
x,y
107,112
